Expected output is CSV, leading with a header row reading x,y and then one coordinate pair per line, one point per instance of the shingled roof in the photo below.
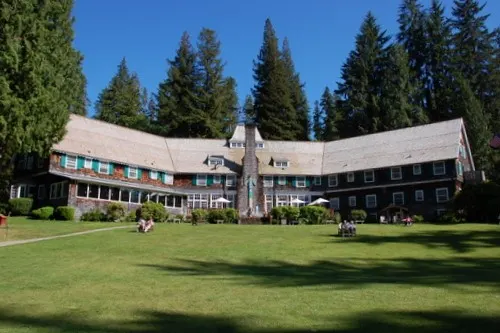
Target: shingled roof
x,y
420,144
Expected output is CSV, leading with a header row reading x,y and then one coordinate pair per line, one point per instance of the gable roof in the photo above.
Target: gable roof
x,y
419,144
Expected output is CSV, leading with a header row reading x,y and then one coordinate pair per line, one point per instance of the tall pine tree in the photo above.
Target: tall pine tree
x,y
121,102
248,110
329,108
361,80
275,114
318,126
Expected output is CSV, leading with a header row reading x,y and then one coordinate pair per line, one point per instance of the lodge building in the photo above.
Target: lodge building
x,y
419,168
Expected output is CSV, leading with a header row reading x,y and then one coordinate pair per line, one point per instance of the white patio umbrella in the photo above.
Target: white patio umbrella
x,y
318,202
222,199
297,201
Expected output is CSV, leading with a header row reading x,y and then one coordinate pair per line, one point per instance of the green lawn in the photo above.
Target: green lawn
x,y
230,278
24,228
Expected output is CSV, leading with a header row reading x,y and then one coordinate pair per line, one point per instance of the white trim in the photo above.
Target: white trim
x,y
153,174
447,194
218,180
421,192
302,180
350,177
281,164
281,180
66,165
101,164
371,196
350,199
397,169
268,181
373,176
391,185
434,168
469,153
419,169
331,183
394,194
215,161
202,178
87,163
136,169
233,180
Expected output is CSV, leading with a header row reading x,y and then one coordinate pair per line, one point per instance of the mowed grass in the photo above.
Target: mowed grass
x,y
231,278
25,228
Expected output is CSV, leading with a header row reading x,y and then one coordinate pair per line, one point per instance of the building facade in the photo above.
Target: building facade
x,y
418,168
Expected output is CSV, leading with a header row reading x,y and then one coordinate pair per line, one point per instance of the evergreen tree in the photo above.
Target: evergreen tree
x,y
179,114
248,109
41,79
273,106
332,117
218,98
297,93
361,80
318,122
438,79
121,102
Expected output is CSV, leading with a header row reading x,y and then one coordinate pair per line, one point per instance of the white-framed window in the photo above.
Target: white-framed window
x,y
317,181
169,179
259,145
419,195
460,168
29,164
41,192
21,191
442,194
281,164
350,177
299,197
268,181
70,162
335,203
104,167
369,176
398,198
132,172
352,201
215,161
201,180
281,180
300,181
371,201
217,179
198,201
213,203
396,173
333,180
439,168
237,145
269,202
281,200
417,169
231,180
87,164
153,174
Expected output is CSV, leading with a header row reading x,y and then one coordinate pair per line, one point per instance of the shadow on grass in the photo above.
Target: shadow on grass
x,y
155,322
348,273
460,242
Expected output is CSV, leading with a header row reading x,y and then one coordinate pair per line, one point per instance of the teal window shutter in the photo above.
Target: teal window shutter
x,y
95,165
111,169
80,162
163,177
210,180
194,179
139,173
125,171
308,181
294,181
63,161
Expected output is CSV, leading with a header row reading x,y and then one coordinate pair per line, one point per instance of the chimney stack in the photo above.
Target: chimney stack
x,y
248,190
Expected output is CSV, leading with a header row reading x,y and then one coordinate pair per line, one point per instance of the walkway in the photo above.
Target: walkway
x,y
25,241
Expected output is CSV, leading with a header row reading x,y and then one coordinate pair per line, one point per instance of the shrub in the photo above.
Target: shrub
x,y
337,217
278,213
198,215
450,218
95,215
215,214
291,213
154,210
231,215
478,203
417,218
20,206
115,211
44,213
130,216
65,213
358,215
314,214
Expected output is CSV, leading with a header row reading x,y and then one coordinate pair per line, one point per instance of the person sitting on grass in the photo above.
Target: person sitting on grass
x,y
149,225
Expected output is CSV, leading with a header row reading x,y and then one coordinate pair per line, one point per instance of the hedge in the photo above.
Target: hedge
x,y
65,213
20,206
153,210
44,213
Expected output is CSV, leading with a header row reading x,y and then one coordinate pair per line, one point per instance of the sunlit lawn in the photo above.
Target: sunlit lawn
x,y
231,278
25,228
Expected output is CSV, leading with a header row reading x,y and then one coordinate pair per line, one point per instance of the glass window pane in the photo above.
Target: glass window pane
x,y
93,191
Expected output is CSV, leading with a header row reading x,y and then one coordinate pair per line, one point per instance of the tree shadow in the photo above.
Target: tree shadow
x,y
348,273
155,322
460,242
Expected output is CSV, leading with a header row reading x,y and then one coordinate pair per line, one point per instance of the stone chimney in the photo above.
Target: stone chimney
x,y
247,187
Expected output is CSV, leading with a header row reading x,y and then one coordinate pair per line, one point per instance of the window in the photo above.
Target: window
x,y
439,168
352,201
213,203
317,180
201,180
371,200
31,191
215,161
419,195
135,196
87,164
259,145
172,201
230,180
103,167
335,203
398,198
41,192
281,180
281,164
350,177
29,164
461,152
153,174
299,197
268,181
93,191
82,190
269,202
198,201
59,190
460,169
114,194
281,200
132,172
396,173
124,195
417,169
70,162
237,144
300,181
333,180
21,191
169,179
369,176
442,194
216,179
104,192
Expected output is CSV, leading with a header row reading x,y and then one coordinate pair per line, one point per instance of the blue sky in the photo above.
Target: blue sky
x,y
321,34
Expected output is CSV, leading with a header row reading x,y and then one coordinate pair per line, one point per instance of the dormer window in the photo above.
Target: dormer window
x,y
215,160
281,164
237,145
259,145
